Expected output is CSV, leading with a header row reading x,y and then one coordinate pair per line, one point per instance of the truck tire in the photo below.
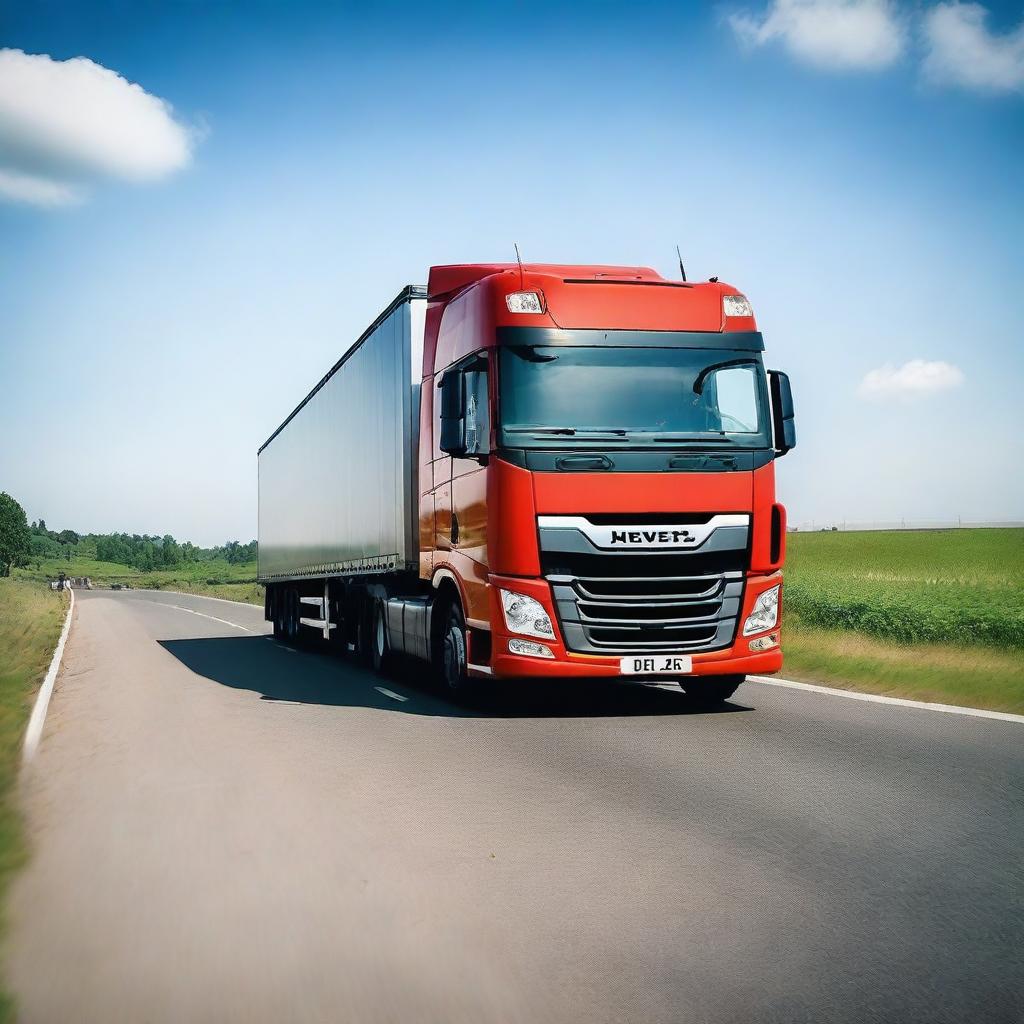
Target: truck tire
x,y
707,691
291,615
452,656
279,615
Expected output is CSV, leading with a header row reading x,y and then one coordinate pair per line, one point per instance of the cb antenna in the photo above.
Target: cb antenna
x,y
682,269
519,260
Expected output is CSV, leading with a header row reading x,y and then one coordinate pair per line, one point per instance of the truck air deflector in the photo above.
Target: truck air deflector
x,y
747,341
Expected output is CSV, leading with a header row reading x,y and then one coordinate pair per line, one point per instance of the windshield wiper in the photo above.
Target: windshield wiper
x,y
675,438
566,430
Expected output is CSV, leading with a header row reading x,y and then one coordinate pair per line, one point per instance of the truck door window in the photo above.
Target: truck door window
x,y
478,420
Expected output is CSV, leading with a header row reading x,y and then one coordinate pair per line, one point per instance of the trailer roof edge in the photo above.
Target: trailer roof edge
x,y
410,291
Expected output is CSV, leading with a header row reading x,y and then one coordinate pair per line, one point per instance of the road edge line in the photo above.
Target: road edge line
x,y
34,731
878,698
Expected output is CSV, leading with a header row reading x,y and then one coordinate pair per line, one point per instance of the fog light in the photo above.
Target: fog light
x,y
529,649
765,643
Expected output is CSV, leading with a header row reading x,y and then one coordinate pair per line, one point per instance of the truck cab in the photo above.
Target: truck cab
x,y
596,477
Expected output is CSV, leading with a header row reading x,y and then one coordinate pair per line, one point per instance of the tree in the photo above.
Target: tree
x,y
14,535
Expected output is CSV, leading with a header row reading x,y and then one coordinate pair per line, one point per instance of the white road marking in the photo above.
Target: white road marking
x,y
34,732
390,693
177,607
875,698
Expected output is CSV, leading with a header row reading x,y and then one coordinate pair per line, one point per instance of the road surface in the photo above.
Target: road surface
x,y
225,829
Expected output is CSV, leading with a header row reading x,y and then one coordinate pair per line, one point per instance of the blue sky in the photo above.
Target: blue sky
x,y
157,328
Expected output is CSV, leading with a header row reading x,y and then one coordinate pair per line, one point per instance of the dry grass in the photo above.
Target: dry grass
x,y
31,616
980,677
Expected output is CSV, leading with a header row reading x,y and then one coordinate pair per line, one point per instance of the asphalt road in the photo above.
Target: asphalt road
x,y
225,829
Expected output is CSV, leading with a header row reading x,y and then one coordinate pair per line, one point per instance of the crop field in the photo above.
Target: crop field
x,y
959,587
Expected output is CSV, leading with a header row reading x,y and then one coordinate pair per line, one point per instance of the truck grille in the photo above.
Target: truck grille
x,y
624,602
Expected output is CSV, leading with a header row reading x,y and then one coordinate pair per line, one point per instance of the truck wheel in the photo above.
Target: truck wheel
x,y
707,691
453,652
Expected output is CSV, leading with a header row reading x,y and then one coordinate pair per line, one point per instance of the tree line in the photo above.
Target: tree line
x,y
21,542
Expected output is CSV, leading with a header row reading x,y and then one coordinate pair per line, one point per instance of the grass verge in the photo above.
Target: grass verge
x,y
247,593
31,617
971,676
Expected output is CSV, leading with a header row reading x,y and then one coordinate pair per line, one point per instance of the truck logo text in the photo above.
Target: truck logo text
x,y
651,537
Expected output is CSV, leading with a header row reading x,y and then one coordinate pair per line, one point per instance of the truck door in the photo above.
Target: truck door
x,y
469,491
441,470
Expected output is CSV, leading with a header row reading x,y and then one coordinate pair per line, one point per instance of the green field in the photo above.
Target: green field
x,y
235,582
935,615
31,616
941,586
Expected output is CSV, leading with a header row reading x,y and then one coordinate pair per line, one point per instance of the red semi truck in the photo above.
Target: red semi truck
x,y
539,472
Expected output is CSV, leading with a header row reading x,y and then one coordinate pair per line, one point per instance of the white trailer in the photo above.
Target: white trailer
x,y
338,489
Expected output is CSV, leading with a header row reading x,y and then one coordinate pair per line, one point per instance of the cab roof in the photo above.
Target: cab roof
x,y
591,296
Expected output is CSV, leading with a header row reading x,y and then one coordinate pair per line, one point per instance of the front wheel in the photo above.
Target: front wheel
x,y
707,691
453,659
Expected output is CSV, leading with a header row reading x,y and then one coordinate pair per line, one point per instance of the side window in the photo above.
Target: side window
x,y
478,419
733,395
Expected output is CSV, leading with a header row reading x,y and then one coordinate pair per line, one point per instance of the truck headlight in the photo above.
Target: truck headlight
x,y
525,615
765,613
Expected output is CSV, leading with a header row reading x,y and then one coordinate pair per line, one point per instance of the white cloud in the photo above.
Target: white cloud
x,y
862,35
962,51
26,188
63,123
916,379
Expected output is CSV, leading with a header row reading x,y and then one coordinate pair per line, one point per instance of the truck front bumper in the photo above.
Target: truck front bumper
x,y
738,659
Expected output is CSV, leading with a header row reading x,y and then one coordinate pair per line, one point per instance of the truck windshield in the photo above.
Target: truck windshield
x,y
631,395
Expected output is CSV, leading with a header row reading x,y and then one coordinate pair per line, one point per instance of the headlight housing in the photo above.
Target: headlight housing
x,y
765,613
526,615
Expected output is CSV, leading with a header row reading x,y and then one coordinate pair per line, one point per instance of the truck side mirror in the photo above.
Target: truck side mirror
x,y
783,422
453,414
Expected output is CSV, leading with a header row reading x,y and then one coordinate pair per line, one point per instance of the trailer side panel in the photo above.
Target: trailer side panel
x,y
337,481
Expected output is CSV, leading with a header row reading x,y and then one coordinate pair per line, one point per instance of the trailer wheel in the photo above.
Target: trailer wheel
x,y
292,614
279,615
453,658
707,691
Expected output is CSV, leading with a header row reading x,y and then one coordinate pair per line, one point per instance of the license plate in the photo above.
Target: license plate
x,y
655,664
